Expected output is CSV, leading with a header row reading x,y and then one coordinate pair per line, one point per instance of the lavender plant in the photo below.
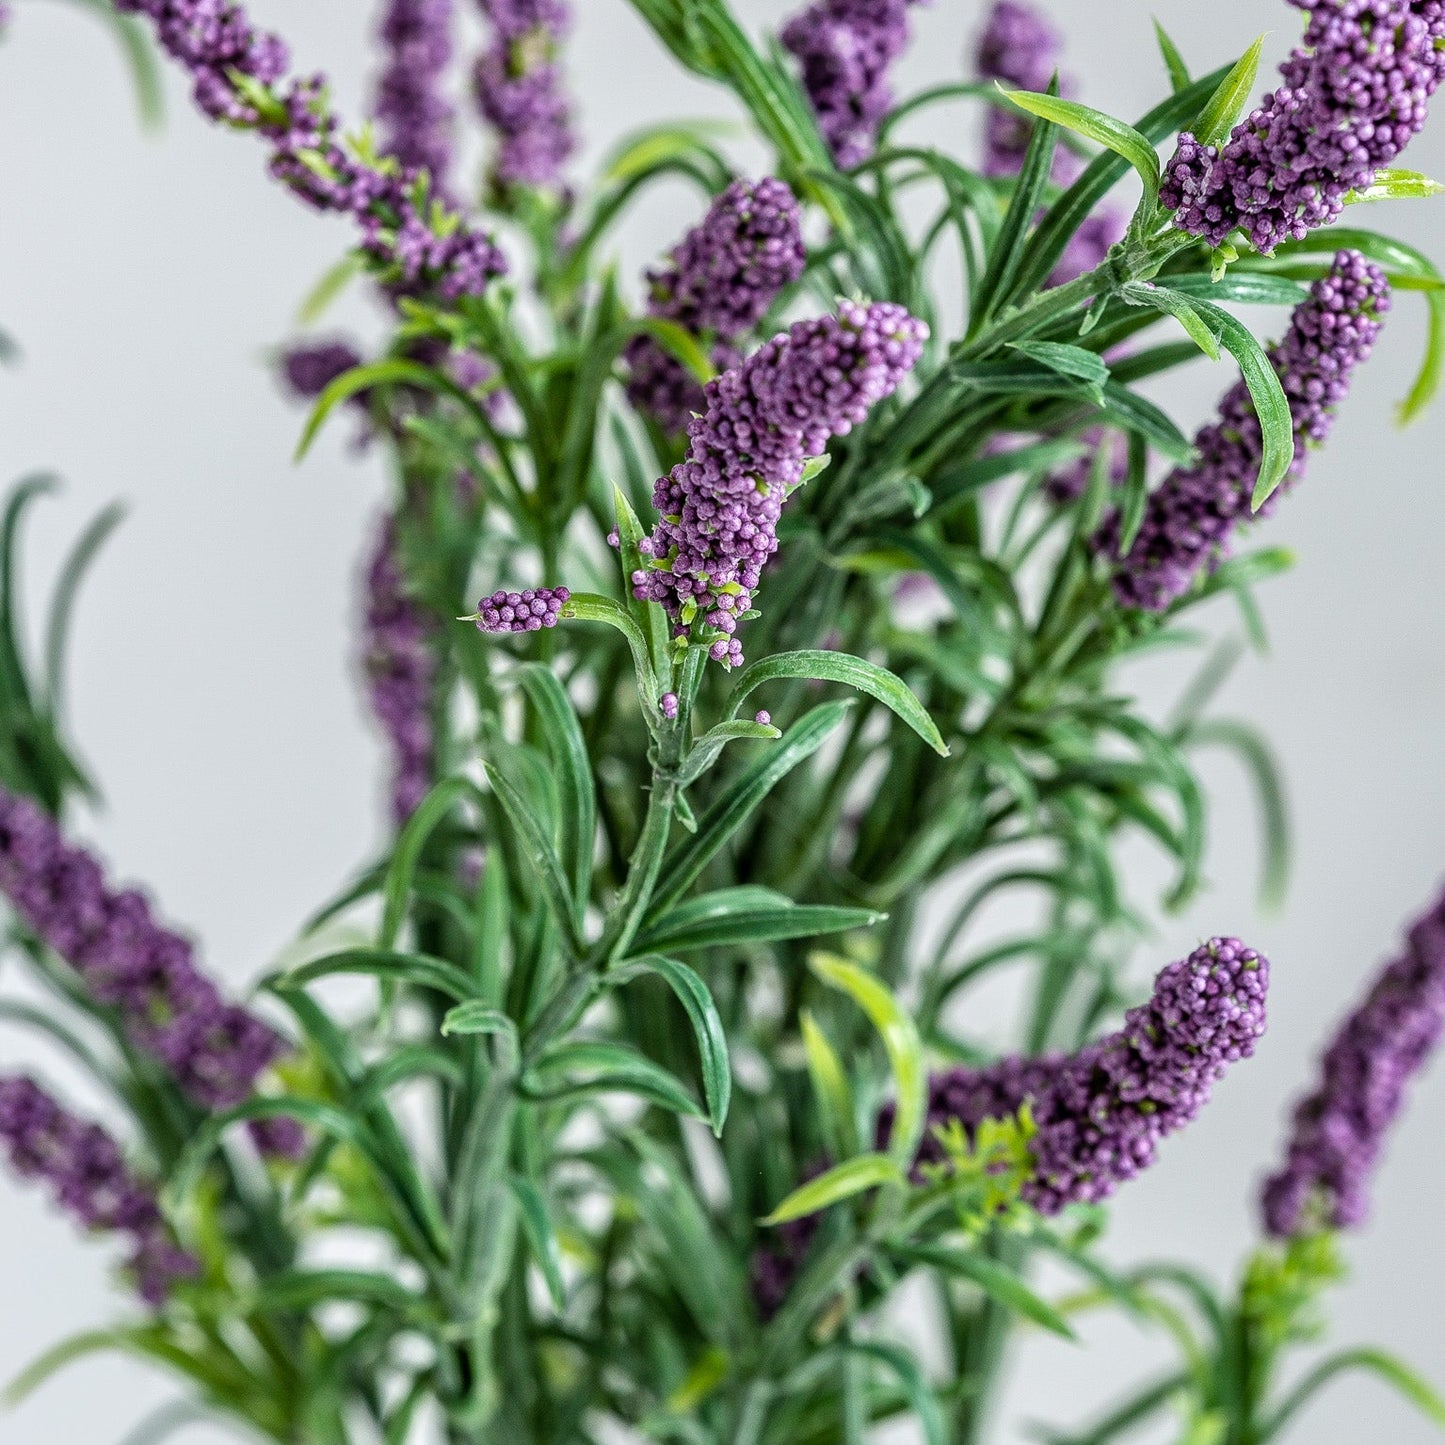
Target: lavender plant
x,y
662,1081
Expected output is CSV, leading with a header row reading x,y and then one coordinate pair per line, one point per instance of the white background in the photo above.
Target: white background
x,y
147,278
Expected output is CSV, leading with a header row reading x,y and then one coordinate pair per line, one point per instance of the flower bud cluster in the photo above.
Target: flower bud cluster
x,y
519,89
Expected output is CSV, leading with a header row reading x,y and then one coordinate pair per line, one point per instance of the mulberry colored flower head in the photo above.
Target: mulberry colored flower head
x,y
89,1178
416,118
719,507
526,611
1355,92
310,367
1019,47
845,48
213,1049
1340,1128
401,673
1101,1113
719,281
1192,513
520,91
418,245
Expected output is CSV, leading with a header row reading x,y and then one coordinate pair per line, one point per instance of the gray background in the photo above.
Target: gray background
x,y
146,279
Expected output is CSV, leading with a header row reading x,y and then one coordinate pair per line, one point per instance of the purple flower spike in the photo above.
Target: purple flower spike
x,y
1192,513
172,1012
1355,92
1102,1112
416,119
520,92
719,507
528,611
1019,47
401,673
719,281
1340,1128
310,367
846,48
420,247
88,1176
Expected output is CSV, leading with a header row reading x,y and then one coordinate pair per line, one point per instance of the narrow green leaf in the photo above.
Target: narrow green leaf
x,y
679,343
1083,120
712,1045
588,607
576,792
418,969
1395,185
479,1018
1173,60
1242,287
140,60
406,856
1180,307
540,853
843,1181
730,811
830,1088
307,1288
708,748
1137,414
916,1389
825,666
1384,1366
757,925
1227,103
67,588
337,278
900,1039
1075,361
570,1069
994,1280
540,1237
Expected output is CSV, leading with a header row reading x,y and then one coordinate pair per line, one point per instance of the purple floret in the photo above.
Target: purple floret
x,y
719,507
846,48
171,1011
419,246
1355,92
718,282
88,1176
528,611
520,91
310,367
1339,1129
416,118
1190,516
401,673
1101,1113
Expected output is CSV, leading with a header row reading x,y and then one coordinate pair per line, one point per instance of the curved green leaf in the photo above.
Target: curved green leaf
x,y
830,1088
1384,1366
568,1070
842,1181
420,970
1226,105
540,1237
756,925
994,1279
712,1045
900,1039
479,1018
825,666
708,748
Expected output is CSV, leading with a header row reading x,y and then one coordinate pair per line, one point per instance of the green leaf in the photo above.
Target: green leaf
x,y
1076,361
644,151
140,60
1375,1362
1242,287
830,1088
678,343
756,925
406,856
576,792
843,1181
708,748
569,1069
1395,185
329,287
307,1288
540,852
825,666
420,970
1139,415
1173,60
67,588
1116,135
900,1040
1180,307
1227,103
540,1237
588,607
729,812
916,1389
479,1018
994,1280
712,1045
